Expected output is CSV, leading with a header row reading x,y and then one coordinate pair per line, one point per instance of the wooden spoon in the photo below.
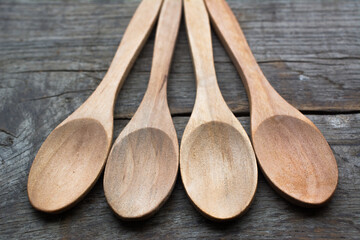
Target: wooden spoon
x,y
72,157
217,161
143,163
292,153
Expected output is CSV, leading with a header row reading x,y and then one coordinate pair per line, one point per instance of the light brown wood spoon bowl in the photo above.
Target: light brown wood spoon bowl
x,y
143,163
293,154
217,162
72,157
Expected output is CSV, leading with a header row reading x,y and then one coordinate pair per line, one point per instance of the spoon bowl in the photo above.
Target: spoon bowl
x,y
79,147
218,153
297,159
134,173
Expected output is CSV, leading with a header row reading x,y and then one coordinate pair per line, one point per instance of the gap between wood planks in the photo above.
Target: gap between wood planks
x,y
247,114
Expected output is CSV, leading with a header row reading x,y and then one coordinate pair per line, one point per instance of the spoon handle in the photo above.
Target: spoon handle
x,y
100,105
261,94
133,40
166,35
199,34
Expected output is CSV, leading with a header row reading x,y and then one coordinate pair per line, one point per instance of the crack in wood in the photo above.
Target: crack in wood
x,y
56,95
247,114
8,132
60,70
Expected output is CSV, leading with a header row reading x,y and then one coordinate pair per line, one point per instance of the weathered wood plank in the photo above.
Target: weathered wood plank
x,y
269,217
53,54
56,53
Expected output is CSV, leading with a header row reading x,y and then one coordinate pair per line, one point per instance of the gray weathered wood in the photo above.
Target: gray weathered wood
x,y
53,54
269,217
58,51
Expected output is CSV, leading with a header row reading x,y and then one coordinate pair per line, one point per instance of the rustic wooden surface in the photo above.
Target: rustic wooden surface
x,y
53,54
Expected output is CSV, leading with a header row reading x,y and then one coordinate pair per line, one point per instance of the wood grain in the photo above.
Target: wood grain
x,y
217,161
73,156
143,163
269,217
58,54
54,54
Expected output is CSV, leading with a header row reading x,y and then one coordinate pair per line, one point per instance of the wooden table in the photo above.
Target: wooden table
x,y
53,54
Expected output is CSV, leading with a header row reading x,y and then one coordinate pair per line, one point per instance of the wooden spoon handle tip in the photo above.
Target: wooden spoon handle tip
x,y
100,105
166,35
233,39
199,34
133,40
